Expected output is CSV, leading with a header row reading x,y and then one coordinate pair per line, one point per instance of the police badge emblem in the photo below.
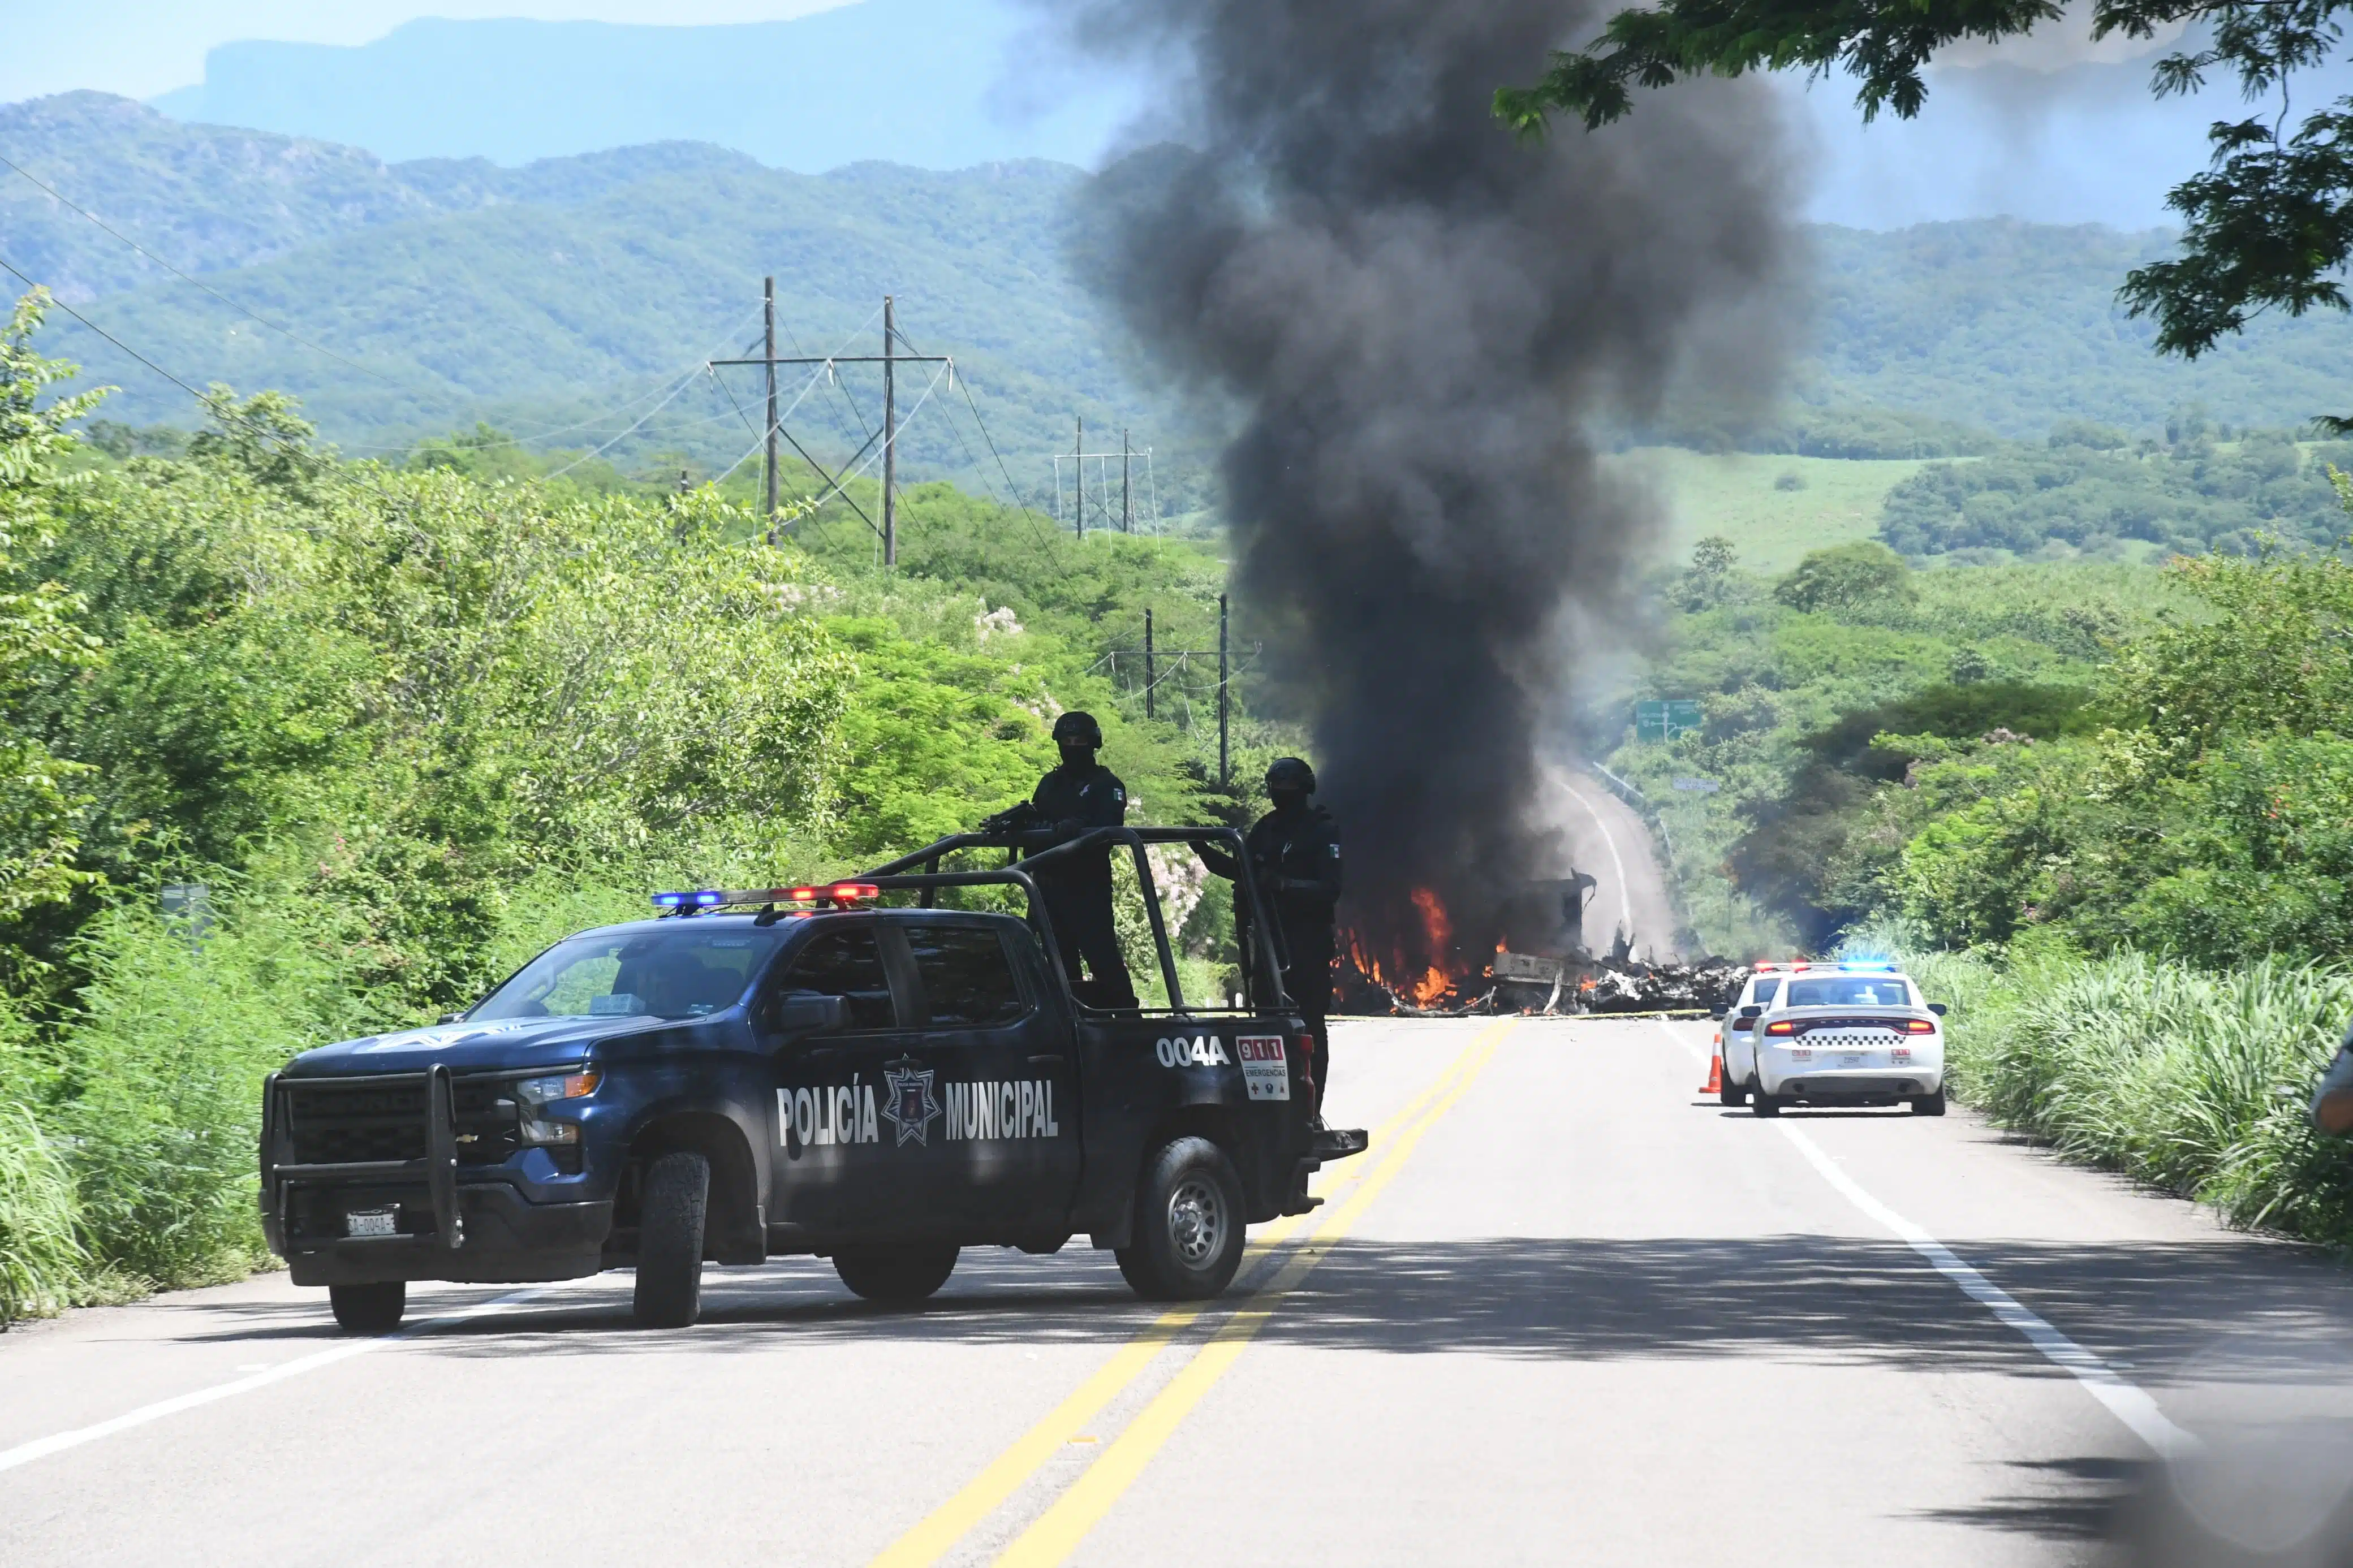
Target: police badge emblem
x,y
908,1106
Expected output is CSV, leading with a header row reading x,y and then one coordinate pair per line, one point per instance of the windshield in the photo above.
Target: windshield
x,y
681,972
1851,990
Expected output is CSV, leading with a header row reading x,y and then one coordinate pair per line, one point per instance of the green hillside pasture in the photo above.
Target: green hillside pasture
x,y
1745,497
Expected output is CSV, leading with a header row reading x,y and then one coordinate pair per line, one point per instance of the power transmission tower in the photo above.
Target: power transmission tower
x,y
1079,456
768,310
888,434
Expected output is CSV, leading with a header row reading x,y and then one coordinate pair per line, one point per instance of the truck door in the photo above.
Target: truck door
x,y
1007,1159
838,1166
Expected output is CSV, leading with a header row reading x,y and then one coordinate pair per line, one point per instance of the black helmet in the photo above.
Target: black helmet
x,y
1077,729
1289,773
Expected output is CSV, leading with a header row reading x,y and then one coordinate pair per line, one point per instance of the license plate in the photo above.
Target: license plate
x,y
1855,1061
372,1222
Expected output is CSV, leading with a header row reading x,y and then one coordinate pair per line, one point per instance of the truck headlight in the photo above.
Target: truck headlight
x,y
551,1132
536,1092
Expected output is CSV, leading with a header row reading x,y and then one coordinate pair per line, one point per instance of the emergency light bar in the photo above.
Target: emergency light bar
x,y
842,895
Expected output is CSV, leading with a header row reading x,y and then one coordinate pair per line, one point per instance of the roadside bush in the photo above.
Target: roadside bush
x,y
2193,1081
41,1257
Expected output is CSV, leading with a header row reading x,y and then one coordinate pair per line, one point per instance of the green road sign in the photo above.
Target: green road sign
x,y
1659,721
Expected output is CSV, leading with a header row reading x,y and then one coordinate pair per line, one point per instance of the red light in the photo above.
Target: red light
x,y
801,895
1781,1027
853,893
1919,1026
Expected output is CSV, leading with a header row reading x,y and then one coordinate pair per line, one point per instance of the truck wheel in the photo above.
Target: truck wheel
x,y
1765,1104
903,1275
1189,1223
369,1309
669,1241
1930,1104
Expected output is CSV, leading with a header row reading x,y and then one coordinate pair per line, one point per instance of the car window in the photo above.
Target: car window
x,y
678,971
1766,991
845,961
967,978
1851,990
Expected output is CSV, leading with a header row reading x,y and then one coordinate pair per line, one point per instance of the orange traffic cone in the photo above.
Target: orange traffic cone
x,y
1714,1084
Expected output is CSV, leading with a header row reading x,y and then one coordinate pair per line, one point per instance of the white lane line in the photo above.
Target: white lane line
x,y
2126,1400
41,1447
1618,862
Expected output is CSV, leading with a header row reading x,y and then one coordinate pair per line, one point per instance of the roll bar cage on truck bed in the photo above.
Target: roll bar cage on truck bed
x,y
1262,980
884,1119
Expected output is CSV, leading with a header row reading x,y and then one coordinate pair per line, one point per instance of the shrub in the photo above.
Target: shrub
x,y
2193,1081
41,1255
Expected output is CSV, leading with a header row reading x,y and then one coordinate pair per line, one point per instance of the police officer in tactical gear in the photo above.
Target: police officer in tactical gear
x,y
1077,796
1295,855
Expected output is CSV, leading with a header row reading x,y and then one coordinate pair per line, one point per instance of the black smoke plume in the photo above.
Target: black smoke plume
x,y
1428,329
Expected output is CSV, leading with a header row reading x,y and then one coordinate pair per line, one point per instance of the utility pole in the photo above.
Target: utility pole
x,y
1148,681
769,309
889,443
1079,462
889,359
1222,677
1127,514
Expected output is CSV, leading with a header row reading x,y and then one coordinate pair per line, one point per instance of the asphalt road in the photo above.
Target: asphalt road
x,y
1599,834
1565,1310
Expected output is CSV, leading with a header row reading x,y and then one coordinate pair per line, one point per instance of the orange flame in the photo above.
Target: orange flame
x,y
1439,931
1421,978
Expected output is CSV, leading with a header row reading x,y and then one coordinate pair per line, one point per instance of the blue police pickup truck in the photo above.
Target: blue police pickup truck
x,y
850,1070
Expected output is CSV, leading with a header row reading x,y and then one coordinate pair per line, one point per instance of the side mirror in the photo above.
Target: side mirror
x,y
450,1019
1752,1010
809,1013
1937,1008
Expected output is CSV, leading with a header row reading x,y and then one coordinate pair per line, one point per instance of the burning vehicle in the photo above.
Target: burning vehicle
x,y
1534,960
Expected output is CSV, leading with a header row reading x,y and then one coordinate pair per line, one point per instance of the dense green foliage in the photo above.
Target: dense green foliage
x,y
2089,489
407,725
1799,679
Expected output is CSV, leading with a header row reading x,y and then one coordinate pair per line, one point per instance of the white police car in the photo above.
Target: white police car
x,y
1851,1033
1735,1033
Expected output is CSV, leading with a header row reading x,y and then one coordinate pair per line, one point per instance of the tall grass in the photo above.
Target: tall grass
x,y
2195,1081
42,1260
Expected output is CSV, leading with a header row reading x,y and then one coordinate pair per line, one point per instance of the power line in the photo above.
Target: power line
x,y
245,311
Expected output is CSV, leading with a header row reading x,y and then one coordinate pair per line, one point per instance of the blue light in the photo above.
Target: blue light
x,y
670,901
708,899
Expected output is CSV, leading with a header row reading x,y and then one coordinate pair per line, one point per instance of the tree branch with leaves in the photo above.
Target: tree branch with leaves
x,y
2267,227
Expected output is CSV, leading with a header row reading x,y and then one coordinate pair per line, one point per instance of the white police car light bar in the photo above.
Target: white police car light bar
x,y
840,894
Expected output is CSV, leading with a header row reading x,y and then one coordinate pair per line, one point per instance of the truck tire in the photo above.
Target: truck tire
x,y
669,1241
1929,1104
1189,1223
900,1275
1763,1104
369,1309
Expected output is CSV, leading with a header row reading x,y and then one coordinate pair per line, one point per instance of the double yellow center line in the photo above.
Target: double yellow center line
x,y
1057,1532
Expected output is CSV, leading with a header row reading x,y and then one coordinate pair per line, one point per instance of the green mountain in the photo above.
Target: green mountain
x,y
571,299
